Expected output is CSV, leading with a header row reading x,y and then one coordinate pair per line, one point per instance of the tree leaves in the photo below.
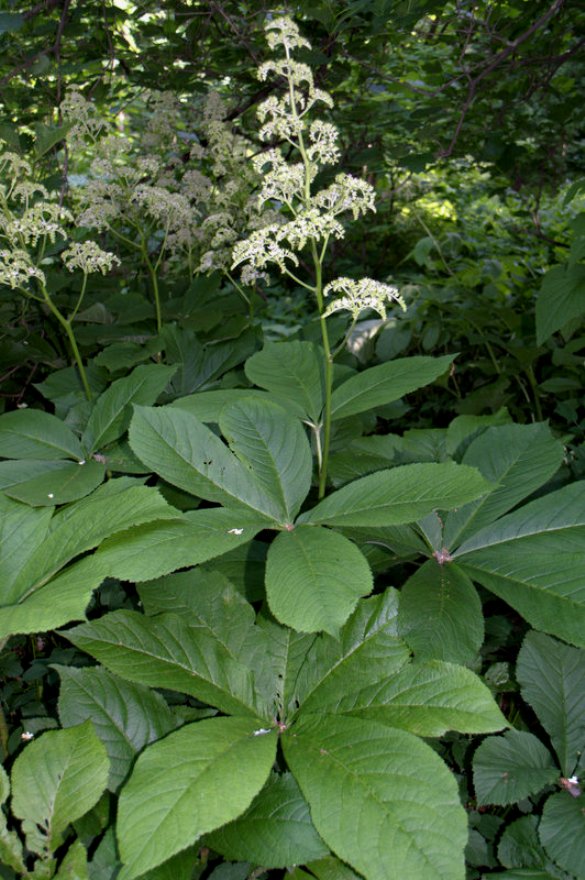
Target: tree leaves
x,y
32,433
188,784
380,798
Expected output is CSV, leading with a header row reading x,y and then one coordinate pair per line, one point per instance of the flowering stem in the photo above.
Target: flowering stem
x,y
155,289
72,341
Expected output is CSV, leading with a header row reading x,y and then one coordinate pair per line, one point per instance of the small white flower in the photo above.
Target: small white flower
x,y
235,531
50,495
27,736
261,731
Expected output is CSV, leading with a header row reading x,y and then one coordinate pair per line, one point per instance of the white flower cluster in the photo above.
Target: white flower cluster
x,y
282,31
83,117
41,220
89,257
16,269
357,296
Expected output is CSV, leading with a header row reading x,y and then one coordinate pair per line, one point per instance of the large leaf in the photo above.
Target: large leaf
x,y
275,831
380,798
157,548
207,406
32,433
534,559
209,602
56,780
58,482
126,716
58,601
367,652
112,410
314,578
190,783
189,455
22,531
274,447
164,651
385,383
509,768
292,370
400,495
560,299
440,614
81,527
562,832
427,698
551,676
520,459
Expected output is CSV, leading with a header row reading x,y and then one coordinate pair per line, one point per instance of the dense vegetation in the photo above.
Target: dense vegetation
x,y
292,508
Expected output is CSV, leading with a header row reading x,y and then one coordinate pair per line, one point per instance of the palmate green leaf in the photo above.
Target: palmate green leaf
x,y
112,410
270,478
385,383
56,780
125,716
534,559
58,483
22,531
58,601
427,698
551,677
212,605
113,507
562,831
380,798
153,549
520,459
400,495
292,370
367,651
509,768
197,779
314,578
275,448
275,831
32,433
287,653
440,614
164,651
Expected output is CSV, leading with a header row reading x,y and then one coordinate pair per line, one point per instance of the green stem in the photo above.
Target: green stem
x,y
318,290
534,388
155,289
241,291
66,325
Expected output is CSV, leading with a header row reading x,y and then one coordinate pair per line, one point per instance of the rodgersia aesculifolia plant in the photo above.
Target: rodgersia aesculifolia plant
x,y
314,214
178,195
32,223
